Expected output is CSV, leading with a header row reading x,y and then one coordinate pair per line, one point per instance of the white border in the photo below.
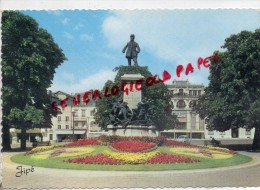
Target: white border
x,y
126,4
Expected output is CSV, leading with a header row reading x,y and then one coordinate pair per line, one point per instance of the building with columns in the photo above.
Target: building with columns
x,y
184,95
79,119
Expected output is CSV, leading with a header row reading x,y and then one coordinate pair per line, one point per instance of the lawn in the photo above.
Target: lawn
x,y
188,157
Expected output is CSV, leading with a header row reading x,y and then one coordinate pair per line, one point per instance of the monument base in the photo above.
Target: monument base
x,y
132,130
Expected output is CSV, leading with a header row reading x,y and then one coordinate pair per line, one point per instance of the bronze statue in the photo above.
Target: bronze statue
x,y
132,50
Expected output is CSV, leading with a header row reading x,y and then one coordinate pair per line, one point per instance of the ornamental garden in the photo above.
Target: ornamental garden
x,y
130,153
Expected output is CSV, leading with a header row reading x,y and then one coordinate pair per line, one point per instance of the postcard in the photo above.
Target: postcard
x,y
111,98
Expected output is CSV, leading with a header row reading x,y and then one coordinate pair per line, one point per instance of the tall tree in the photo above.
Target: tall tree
x,y
232,98
29,59
164,117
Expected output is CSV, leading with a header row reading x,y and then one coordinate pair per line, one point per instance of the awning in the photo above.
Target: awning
x,y
35,130
70,132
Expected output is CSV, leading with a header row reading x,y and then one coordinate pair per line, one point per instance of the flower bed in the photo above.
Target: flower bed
x,y
225,150
200,153
177,143
101,159
84,142
164,158
133,146
62,153
40,149
131,158
107,140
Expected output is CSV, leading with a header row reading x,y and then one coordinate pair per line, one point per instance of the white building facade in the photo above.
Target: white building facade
x,y
184,95
74,121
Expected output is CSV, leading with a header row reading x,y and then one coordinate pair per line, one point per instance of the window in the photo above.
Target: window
x,y
83,124
51,137
190,92
181,126
59,118
92,112
199,92
67,118
192,103
194,92
181,104
67,126
181,91
75,113
59,126
75,124
83,112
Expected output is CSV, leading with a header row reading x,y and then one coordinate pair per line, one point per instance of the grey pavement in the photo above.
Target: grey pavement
x,y
235,176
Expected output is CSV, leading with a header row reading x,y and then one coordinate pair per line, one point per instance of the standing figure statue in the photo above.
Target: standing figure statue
x,y
132,50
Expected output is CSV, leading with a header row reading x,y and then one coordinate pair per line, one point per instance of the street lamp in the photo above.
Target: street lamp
x,y
73,128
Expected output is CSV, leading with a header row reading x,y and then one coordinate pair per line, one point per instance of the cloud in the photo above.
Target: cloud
x,y
176,36
65,21
68,35
86,37
95,81
56,13
66,76
78,26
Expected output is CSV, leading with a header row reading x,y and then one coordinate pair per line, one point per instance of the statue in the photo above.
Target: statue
x,y
120,113
132,50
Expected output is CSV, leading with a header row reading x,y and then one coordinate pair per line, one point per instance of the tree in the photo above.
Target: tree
x,y
29,59
232,98
163,119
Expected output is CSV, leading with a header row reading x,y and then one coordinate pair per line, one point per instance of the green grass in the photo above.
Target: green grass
x,y
59,163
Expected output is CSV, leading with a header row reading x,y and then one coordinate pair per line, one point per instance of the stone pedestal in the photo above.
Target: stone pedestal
x,y
134,96
132,130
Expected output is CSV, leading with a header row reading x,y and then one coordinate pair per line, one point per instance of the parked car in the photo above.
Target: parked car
x,y
183,138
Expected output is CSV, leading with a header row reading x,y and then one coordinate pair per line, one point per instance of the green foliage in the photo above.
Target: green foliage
x,y
29,59
163,119
232,98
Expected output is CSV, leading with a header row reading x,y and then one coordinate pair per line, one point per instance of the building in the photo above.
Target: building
x,y
74,121
77,121
184,95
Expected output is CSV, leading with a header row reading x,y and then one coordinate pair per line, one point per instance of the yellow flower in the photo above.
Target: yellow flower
x,y
201,153
131,158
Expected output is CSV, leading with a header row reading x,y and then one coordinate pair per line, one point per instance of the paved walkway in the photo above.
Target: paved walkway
x,y
242,175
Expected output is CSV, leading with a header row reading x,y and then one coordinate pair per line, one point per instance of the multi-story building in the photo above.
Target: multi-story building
x,y
73,121
184,95
79,119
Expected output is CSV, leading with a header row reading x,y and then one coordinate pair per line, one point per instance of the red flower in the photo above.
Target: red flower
x,y
177,143
132,146
95,159
164,158
84,142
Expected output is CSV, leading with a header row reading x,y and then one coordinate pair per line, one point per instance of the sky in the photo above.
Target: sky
x,y
92,41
